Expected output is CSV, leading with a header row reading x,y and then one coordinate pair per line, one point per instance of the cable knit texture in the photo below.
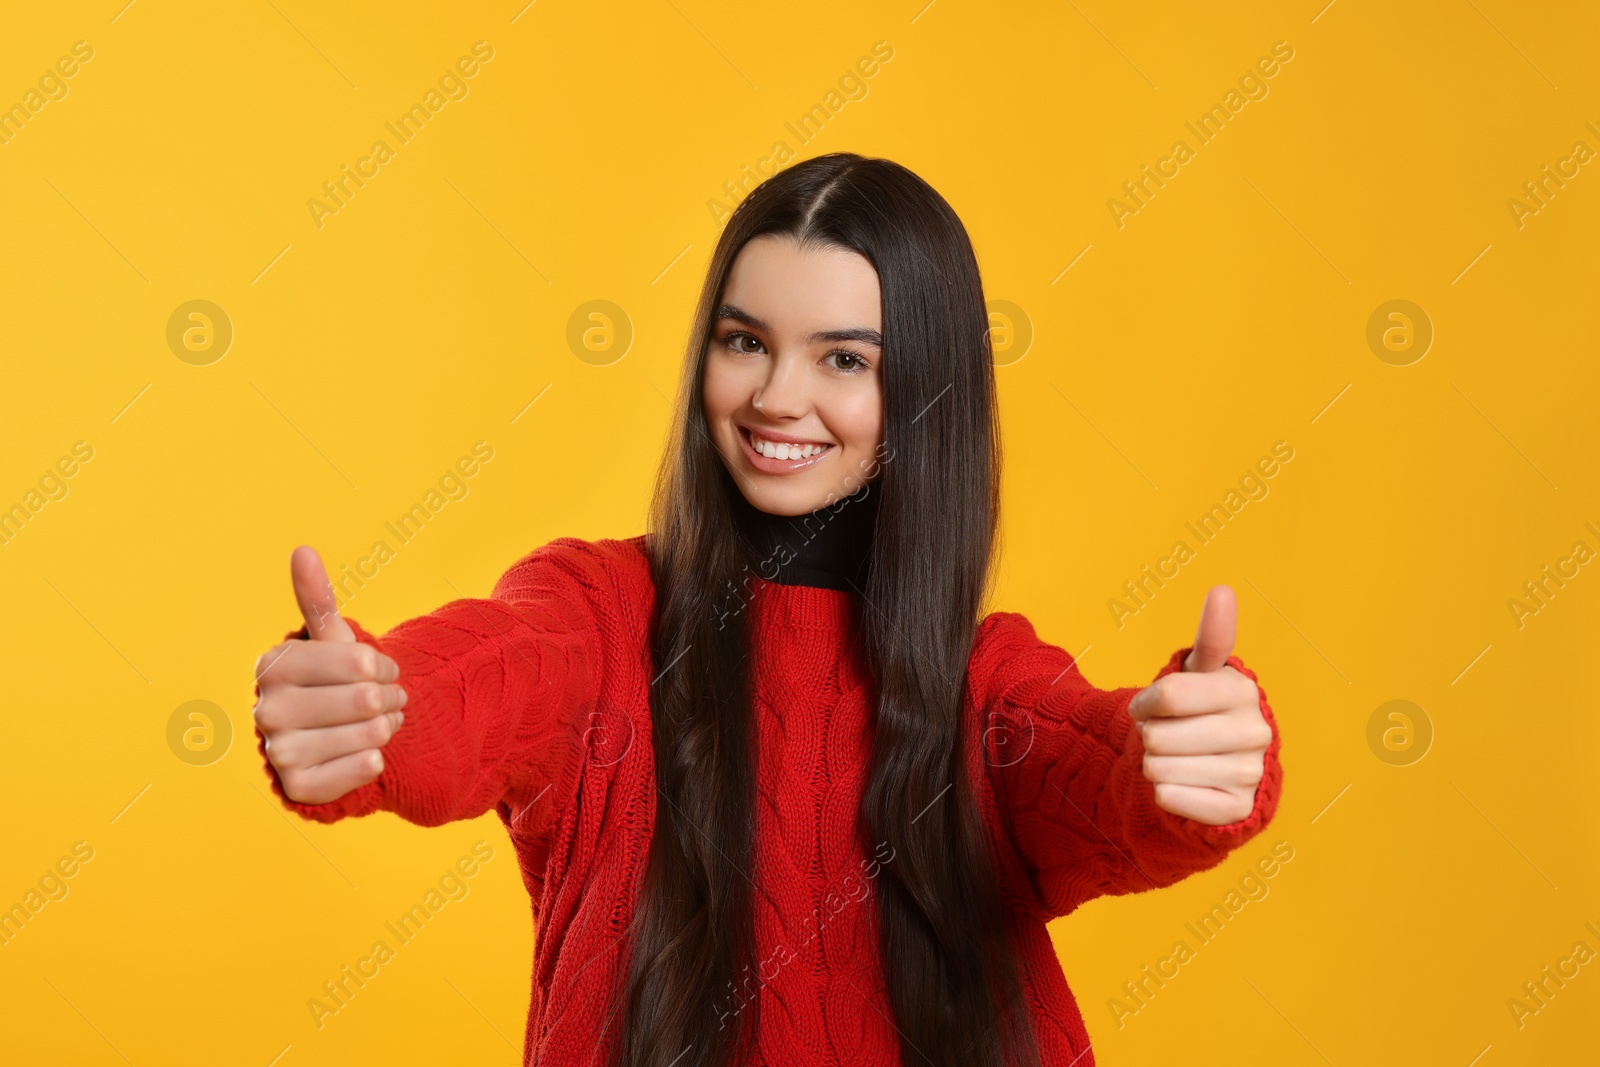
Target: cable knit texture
x,y
534,703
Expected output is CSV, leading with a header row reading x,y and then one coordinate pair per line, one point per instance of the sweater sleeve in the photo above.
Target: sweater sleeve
x,y
1067,763
494,691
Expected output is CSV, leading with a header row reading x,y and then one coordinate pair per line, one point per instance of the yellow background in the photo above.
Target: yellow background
x,y
369,354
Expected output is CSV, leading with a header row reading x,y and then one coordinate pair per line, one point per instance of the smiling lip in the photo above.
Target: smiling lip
x,y
780,466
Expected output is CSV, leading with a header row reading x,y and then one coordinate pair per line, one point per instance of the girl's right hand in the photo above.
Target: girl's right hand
x,y
329,704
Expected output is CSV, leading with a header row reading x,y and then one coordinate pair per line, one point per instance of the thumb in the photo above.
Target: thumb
x,y
1213,641
315,597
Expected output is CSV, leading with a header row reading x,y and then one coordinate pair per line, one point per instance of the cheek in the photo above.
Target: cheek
x,y
860,425
721,398
718,392
728,383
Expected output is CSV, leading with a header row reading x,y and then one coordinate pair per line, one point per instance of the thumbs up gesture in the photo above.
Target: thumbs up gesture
x,y
327,705
1205,739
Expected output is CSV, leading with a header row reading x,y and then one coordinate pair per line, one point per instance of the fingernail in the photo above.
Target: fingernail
x,y
405,695
399,718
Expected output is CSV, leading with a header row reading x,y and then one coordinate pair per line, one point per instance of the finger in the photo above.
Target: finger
x,y
307,708
1211,806
1213,640
333,779
324,663
1193,694
303,749
1204,734
315,597
1229,770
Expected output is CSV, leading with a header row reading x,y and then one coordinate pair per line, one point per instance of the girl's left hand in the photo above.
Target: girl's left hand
x,y
1205,739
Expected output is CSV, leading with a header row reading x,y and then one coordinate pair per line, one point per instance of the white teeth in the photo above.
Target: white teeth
x,y
783,450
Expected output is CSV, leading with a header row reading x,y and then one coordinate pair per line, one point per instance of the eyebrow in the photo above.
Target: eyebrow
x,y
855,333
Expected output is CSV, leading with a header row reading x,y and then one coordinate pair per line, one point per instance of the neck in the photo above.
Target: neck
x,y
830,547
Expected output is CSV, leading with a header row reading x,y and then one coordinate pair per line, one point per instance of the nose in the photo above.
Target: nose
x,y
783,394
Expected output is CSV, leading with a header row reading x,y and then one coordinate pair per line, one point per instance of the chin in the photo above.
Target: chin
x,y
788,500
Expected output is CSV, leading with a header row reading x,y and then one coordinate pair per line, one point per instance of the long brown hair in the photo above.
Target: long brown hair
x,y
950,967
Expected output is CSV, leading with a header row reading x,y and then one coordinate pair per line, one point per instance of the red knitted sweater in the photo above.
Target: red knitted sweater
x,y
533,703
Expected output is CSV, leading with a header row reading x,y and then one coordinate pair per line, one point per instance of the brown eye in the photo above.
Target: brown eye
x,y
857,364
733,340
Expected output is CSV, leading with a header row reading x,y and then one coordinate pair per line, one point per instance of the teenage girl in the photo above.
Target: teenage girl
x,y
780,795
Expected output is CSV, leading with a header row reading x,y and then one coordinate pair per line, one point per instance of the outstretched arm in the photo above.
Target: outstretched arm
x,y
1069,764
495,692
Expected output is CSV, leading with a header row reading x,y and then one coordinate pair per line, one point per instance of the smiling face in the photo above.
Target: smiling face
x,y
793,377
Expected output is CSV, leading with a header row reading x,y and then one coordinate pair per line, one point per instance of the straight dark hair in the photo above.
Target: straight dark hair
x,y
951,969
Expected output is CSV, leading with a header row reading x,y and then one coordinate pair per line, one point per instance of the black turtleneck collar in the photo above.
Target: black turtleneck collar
x,y
830,547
